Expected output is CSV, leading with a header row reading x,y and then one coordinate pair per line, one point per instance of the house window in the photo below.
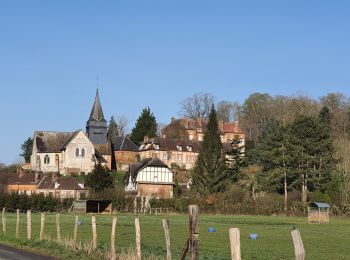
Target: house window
x,y
77,152
83,152
165,156
46,159
82,195
179,158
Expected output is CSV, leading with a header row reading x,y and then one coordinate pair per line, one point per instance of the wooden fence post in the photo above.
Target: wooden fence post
x,y
4,220
235,243
94,233
17,224
114,223
194,231
138,239
42,226
167,238
58,228
298,245
29,224
75,234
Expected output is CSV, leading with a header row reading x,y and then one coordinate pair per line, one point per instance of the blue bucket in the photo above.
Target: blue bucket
x,y
80,222
253,236
211,230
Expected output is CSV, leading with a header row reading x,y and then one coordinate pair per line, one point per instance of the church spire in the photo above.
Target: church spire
x,y
96,111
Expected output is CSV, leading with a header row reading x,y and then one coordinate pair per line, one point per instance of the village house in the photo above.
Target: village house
x,y
193,129
62,187
172,152
125,152
149,178
22,183
73,152
40,183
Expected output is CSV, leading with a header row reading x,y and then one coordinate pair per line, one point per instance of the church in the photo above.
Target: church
x,y
73,152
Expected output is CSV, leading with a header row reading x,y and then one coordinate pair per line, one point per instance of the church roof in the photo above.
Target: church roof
x,y
96,111
122,143
51,142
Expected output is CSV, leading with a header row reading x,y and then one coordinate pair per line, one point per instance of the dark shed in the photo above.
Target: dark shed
x,y
92,206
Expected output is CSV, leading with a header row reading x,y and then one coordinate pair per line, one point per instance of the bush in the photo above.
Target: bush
x,y
35,202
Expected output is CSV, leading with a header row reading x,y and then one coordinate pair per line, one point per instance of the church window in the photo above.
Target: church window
x,y
77,152
46,159
57,159
83,152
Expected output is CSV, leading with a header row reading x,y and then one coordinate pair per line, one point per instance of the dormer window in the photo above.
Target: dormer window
x,y
179,147
189,148
156,146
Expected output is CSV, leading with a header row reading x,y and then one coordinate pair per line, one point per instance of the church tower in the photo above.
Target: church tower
x,y
96,126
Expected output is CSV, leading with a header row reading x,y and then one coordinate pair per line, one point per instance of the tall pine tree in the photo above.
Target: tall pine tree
x,y
210,173
146,125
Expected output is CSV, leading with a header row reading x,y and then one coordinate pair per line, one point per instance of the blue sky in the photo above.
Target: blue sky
x,y
156,53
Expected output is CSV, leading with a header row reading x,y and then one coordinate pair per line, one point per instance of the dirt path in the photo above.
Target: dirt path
x,y
10,253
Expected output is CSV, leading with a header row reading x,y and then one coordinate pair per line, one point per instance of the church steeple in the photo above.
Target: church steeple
x,y
96,111
96,126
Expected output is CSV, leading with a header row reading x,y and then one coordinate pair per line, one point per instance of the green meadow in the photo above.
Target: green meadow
x,y
325,241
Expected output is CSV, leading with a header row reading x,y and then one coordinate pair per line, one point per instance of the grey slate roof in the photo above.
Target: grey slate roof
x,y
65,183
51,142
96,111
123,143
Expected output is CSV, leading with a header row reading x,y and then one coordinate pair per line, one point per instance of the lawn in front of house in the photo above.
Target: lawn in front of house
x,y
325,241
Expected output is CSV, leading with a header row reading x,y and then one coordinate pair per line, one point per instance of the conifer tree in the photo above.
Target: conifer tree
x,y
210,172
26,148
113,130
146,125
99,179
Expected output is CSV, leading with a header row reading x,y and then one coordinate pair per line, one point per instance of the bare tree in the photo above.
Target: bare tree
x,y
160,127
123,125
197,106
228,111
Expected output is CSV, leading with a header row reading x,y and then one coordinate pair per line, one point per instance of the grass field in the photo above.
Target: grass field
x,y
327,241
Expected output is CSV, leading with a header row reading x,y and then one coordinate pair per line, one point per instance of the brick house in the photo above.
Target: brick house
x,y
125,152
193,129
181,152
22,183
150,178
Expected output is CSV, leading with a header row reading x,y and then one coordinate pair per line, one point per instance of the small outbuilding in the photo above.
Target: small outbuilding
x,y
92,206
318,212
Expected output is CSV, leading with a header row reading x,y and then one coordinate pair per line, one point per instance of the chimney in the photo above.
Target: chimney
x,y
173,119
53,175
56,184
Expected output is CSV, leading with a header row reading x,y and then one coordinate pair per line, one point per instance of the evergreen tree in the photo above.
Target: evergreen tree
x,y
235,158
27,148
210,173
113,130
313,159
146,125
273,154
99,179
